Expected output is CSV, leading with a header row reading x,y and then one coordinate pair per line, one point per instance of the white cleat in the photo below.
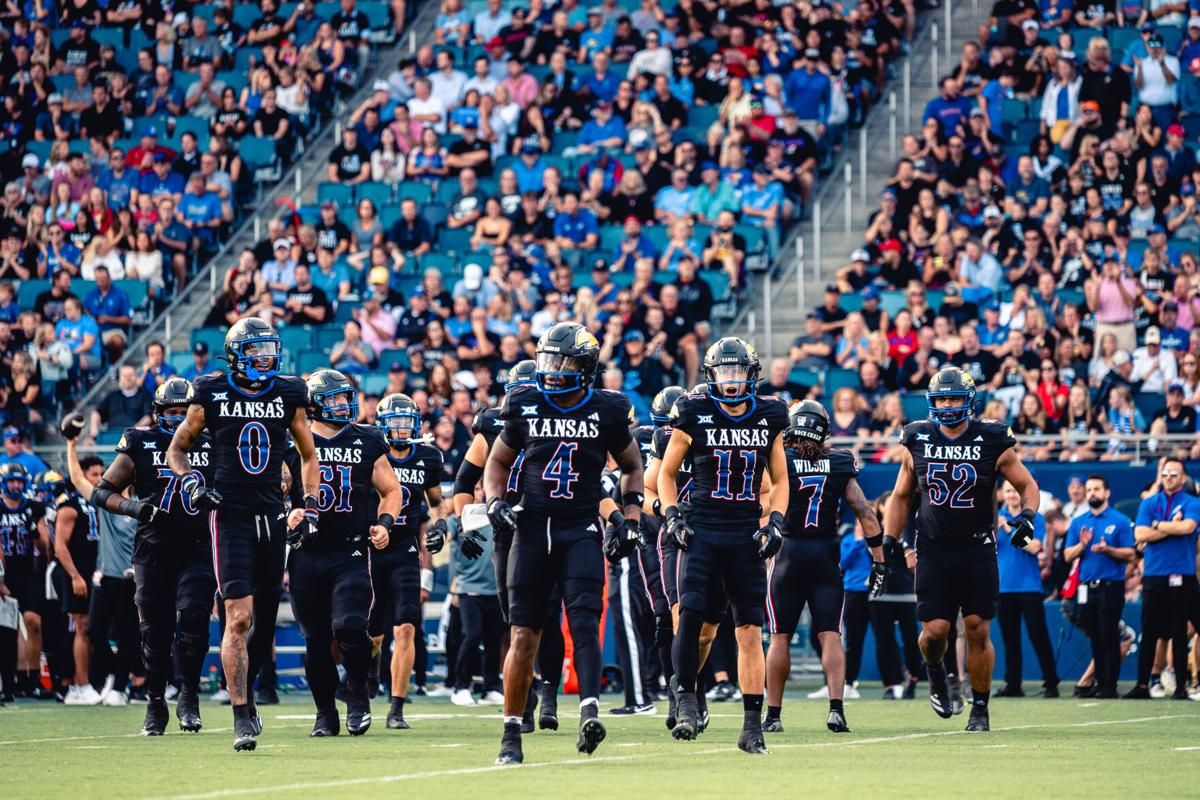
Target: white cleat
x,y
1168,680
819,694
106,689
85,695
850,692
115,699
492,698
462,697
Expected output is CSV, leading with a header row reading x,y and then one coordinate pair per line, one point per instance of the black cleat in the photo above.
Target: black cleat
x,y
243,735
687,717
1010,690
510,745
643,710
1136,693
591,734
1085,691
978,721
1111,694
939,699
751,741
328,724
531,704
910,690
772,725
395,717
267,696
955,687
187,709
548,718
837,722
671,704
157,715
358,717
1050,691
702,707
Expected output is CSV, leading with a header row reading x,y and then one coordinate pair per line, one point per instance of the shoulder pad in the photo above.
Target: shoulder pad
x,y
913,430
521,395
843,461
63,499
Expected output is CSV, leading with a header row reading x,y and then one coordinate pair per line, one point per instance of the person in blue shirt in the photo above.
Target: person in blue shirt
x,y
200,213
110,307
855,562
117,180
529,168
160,180
809,92
575,228
1166,527
1021,597
1101,539
600,83
632,247
762,206
14,451
202,363
604,130
597,37
949,107
81,333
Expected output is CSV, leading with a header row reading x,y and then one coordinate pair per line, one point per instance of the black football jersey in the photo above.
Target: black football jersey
x,y
250,436
683,478
816,489
347,502
729,454
566,449
644,436
18,527
85,538
421,469
487,423
957,477
154,482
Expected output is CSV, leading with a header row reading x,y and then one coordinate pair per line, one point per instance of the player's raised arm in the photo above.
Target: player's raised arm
x,y
185,436
75,472
310,469
899,504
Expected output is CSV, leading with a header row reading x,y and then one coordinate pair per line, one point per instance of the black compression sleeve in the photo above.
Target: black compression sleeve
x,y
468,478
102,492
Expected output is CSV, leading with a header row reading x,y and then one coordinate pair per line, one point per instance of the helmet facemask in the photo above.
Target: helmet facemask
x,y
561,374
337,406
400,427
169,422
257,359
952,414
730,383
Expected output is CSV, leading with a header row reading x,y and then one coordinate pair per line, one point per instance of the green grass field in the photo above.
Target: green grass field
x,y
1037,748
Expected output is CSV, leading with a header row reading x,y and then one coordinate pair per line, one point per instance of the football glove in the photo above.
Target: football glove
x,y
677,529
71,426
204,498
770,536
472,545
142,512
435,537
306,532
621,537
879,576
502,516
1021,529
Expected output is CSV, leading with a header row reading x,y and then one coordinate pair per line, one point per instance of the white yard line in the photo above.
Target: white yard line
x,y
681,752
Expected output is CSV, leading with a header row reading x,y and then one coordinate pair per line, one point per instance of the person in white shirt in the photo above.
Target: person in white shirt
x,y
102,254
425,108
1156,78
1060,101
655,59
1154,365
489,21
447,83
482,81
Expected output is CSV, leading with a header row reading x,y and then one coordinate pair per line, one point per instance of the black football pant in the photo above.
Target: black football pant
x,y
174,598
1100,618
628,605
1165,613
112,611
482,624
856,615
551,646
1028,605
886,616
331,598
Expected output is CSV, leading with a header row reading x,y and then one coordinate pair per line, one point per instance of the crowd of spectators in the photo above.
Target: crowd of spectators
x,y
1040,231
132,136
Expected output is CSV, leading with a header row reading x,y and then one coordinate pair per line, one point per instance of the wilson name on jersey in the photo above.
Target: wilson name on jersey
x,y
18,527
957,477
729,454
250,436
683,478
816,492
347,500
155,482
419,470
565,449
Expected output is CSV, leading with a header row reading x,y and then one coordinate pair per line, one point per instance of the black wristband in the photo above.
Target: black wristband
x,y
657,508
671,512
310,504
633,499
386,521
874,541
776,519
1029,514
616,518
468,478
128,507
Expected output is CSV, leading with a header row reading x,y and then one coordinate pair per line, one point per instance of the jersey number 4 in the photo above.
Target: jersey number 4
x,y
560,471
950,483
725,471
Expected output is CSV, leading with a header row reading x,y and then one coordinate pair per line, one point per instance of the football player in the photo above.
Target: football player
x,y
401,571
807,570
551,647
172,551
250,413
566,430
22,532
76,549
330,574
733,438
950,463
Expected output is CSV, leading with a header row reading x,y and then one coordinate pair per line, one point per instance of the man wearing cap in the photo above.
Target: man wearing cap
x,y
603,130
855,276
1174,418
201,363
1189,84
575,228
77,51
279,272
597,37
1121,375
1174,336
762,206
14,451
809,93
1153,364
1156,78
833,317
713,195
160,181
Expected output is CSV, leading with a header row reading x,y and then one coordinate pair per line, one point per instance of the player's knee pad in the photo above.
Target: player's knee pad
x,y
585,626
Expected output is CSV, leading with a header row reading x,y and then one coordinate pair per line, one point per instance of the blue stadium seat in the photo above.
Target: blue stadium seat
x,y
1148,403
418,192
373,383
892,301
326,336
840,378
378,193
137,291
339,193
718,281
392,356
310,360
435,214
804,377
213,337
389,215
455,242
439,261
850,302
296,338
914,405
30,289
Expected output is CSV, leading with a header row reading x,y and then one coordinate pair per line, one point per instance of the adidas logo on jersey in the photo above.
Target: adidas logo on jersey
x,y
356,554
592,528
763,422
594,416
357,441
412,548
978,438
